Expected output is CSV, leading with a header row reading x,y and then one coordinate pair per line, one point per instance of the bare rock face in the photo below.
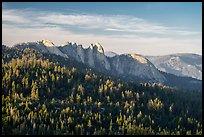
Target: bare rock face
x,y
139,58
136,65
99,48
133,65
101,58
47,43
43,45
183,64
80,52
110,54
90,57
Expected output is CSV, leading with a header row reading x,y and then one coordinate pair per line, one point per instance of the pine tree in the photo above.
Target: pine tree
x,y
13,90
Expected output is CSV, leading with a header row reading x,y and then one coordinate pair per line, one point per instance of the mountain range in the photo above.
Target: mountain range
x,y
182,64
179,70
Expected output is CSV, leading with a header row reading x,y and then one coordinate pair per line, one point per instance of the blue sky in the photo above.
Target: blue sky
x,y
132,27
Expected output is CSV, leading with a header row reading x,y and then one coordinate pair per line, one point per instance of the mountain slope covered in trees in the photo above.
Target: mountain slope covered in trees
x,y
47,94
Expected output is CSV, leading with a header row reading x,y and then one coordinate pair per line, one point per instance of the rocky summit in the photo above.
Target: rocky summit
x,y
168,69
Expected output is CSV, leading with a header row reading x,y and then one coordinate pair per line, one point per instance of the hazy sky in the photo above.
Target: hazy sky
x,y
147,28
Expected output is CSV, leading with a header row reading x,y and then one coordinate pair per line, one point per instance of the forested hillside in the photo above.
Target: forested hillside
x,y
47,94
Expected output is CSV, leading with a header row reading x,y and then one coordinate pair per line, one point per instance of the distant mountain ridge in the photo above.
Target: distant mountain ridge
x,y
131,67
126,65
110,54
181,64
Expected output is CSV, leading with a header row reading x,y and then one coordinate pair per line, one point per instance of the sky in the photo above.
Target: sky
x,y
146,28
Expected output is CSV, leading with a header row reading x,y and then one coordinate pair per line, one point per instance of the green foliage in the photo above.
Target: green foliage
x,y
42,95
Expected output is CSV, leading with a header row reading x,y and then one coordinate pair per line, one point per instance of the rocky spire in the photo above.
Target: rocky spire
x,y
100,48
47,43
